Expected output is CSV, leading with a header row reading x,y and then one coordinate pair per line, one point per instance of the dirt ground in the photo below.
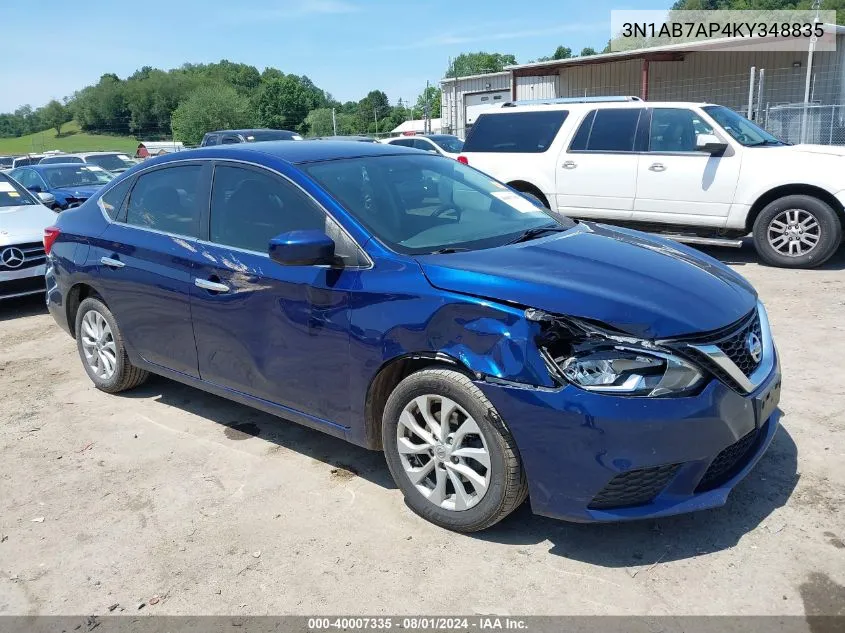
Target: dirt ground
x,y
191,504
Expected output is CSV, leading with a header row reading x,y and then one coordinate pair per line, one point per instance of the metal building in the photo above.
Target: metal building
x,y
463,98
769,86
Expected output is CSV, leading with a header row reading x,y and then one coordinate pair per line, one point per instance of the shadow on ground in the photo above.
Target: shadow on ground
x,y
633,544
747,255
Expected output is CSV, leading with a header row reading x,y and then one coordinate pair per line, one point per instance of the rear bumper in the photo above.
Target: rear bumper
x,y
574,443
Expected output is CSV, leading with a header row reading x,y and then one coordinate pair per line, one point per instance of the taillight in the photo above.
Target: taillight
x,y
50,235
463,160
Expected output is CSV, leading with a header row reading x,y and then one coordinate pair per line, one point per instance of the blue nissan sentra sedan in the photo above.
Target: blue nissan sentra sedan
x,y
408,303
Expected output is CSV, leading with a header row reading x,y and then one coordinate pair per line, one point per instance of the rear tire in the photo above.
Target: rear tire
x,y
101,349
475,435
797,231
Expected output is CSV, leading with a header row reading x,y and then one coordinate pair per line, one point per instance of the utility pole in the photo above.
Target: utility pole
x,y
375,116
427,119
334,122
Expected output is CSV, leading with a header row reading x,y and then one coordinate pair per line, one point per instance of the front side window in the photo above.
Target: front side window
x,y
675,129
210,139
167,200
230,140
250,207
741,129
515,132
27,178
611,130
76,176
13,194
417,204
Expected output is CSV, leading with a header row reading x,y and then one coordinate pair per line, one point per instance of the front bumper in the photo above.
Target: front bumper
x,y
22,282
573,443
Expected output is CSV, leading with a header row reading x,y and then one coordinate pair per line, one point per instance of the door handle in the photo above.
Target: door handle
x,y
111,263
211,286
570,164
657,167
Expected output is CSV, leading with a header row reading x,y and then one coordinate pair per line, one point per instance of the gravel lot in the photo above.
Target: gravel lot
x,y
195,505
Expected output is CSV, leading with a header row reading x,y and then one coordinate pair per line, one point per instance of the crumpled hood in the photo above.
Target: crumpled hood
x,y
24,223
77,192
640,284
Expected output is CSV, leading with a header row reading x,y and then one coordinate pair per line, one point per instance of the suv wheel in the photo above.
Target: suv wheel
x,y
797,232
450,453
101,349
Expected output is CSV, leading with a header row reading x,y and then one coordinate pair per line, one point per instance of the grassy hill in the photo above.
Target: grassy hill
x,y
71,140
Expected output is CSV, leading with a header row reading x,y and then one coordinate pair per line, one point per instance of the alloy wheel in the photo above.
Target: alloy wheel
x,y
443,452
794,232
98,345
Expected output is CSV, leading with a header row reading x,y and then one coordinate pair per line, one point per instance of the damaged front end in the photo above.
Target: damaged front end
x,y
596,359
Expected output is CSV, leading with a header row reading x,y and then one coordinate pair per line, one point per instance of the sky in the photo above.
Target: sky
x,y
346,47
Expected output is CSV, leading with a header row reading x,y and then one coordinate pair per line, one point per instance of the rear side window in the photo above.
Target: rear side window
x,y
517,132
112,201
167,200
607,130
210,139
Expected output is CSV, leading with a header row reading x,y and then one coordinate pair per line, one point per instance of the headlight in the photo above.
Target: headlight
x,y
629,372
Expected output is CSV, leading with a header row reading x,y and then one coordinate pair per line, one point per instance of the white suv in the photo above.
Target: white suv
x,y
700,172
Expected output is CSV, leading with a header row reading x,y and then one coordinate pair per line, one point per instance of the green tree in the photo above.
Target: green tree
x,y
433,95
372,112
479,63
54,114
282,103
562,52
587,51
210,108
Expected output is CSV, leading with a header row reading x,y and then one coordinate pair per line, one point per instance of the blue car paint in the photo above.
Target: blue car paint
x,y
64,195
308,343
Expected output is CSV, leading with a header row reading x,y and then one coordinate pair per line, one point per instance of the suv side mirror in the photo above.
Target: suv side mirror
x,y
302,248
710,143
47,199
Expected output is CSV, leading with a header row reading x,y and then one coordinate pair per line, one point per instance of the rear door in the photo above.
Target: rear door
x,y
676,183
597,172
279,333
144,263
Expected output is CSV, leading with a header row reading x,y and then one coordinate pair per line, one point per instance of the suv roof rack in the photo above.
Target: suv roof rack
x,y
513,104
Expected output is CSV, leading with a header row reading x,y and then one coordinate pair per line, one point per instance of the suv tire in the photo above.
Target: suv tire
x,y
797,231
475,433
101,349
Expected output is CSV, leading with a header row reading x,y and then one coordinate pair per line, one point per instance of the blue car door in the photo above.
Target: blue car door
x,y
278,333
144,263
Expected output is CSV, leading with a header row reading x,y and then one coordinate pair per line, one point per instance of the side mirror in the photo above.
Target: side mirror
x,y
710,143
302,248
35,188
47,199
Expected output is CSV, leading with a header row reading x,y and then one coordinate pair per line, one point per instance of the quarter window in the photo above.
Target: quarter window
x,y
167,200
111,201
516,132
675,129
249,208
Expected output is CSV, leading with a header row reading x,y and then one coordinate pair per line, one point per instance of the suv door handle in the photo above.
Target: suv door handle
x,y
657,167
111,263
570,164
211,286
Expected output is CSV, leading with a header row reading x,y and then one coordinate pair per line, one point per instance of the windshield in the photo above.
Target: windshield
x,y
73,176
12,194
6,161
111,162
421,204
451,144
60,159
740,128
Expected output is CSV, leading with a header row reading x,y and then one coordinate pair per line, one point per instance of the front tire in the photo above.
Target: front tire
x,y
797,231
463,473
101,349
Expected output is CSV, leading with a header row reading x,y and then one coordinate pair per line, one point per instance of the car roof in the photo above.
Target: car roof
x,y
295,153
249,130
589,105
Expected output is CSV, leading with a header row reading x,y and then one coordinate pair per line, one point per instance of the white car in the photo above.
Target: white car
x,y
22,222
115,162
700,172
443,144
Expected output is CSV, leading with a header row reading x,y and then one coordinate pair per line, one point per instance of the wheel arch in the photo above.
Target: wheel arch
x,y
391,374
75,296
526,187
791,190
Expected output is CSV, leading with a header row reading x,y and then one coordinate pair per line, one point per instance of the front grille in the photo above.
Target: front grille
x,y
732,340
634,488
33,255
728,462
17,287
